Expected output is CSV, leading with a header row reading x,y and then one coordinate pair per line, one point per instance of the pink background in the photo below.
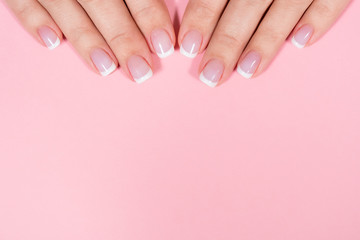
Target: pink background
x,y
84,157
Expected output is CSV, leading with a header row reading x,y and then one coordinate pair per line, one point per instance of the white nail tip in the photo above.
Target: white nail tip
x,y
144,78
206,81
109,70
186,54
54,45
166,54
244,74
296,44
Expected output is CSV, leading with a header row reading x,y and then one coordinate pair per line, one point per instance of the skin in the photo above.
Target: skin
x,y
89,24
229,29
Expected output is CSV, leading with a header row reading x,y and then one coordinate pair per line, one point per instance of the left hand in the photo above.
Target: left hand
x,y
249,33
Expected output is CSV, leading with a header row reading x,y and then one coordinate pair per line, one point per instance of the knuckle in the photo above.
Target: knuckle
x,y
149,10
120,38
228,39
80,34
257,3
83,2
272,36
324,9
24,11
46,2
295,4
203,9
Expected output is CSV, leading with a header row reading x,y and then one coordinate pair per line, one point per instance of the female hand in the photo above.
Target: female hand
x,y
249,33
105,33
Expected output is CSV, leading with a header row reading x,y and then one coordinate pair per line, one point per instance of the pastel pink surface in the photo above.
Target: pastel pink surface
x,y
86,157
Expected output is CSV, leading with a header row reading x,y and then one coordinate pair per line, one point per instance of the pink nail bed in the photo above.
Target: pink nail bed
x,y
49,37
212,72
139,69
191,44
162,43
249,64
103,62
302,36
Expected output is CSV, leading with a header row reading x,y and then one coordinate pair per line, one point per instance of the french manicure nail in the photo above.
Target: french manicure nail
x,y
212,73
191,44
102,62
49,37
139,69
249,64
302,36
162,43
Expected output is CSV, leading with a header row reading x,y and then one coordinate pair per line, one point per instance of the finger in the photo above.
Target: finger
x,y
37,21
270,36
82,34
198,24
153,19
320,16
231,35
115,23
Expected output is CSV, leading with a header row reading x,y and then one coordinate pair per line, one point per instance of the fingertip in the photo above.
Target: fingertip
x,y
302,36
191,44
139,69
103,62
49,37
162,43
248,66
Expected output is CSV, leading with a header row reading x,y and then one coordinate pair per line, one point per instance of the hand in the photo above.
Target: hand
x,y
104,33
249,33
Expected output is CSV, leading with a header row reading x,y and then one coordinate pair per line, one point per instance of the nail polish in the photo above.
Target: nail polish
x,y
139,69
191,44
212,72
302,36
49,37
249,64
102,61
162,43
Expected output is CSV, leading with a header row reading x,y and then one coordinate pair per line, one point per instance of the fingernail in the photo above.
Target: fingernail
x,y
249,64
162,43
212,72
190,46
302,36
139,69
103,62
49,37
